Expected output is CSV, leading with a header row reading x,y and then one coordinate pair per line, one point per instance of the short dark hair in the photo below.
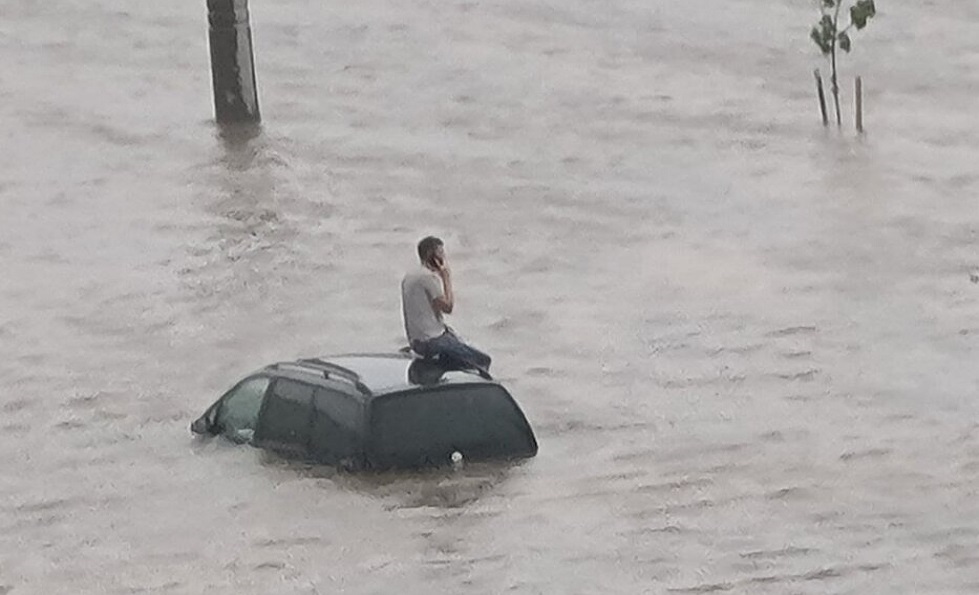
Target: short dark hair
x,y
427,247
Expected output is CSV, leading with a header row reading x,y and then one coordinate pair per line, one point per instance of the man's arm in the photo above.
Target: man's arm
x,y
446,301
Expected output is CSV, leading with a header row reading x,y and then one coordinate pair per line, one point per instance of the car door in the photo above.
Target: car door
x,y
337,428
426,427
284,422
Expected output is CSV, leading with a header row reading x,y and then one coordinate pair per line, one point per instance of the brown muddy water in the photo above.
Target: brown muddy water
x,y
747,344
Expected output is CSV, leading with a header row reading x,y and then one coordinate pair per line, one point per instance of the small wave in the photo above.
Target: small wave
x,y
792,330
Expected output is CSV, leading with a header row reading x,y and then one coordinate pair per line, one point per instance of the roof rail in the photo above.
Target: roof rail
x,y
329,371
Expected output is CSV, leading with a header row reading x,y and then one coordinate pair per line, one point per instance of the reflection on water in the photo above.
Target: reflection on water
x,y
746,343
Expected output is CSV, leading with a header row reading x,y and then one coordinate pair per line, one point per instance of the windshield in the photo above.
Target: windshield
x,y
480,422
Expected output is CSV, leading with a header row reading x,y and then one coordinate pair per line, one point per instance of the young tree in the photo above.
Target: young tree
x,y
828,35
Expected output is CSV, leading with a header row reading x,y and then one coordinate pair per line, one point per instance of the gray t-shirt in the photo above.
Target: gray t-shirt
x,y
418,288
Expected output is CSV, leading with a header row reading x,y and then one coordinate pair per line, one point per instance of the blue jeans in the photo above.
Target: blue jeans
x,y
451,350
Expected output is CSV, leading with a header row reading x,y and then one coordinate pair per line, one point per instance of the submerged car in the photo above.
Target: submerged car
x,y
372,411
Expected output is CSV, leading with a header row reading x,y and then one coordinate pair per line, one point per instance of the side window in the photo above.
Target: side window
x,y
286,418
337,431
239,410
343,409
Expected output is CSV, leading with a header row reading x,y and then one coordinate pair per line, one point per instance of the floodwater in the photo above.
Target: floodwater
x,y
747,344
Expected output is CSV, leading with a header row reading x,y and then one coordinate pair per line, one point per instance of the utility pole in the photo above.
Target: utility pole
x,y
232,62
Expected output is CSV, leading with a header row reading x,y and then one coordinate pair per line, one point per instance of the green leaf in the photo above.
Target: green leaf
x,y
819,38
861,12
845,42
827,24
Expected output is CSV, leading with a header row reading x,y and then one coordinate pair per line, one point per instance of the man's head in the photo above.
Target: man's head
x,y
430,248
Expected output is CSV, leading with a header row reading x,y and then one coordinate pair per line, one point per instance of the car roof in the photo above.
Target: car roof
x,y
376,374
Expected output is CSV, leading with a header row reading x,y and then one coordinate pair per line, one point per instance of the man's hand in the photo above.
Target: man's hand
x,y
447,301
442,269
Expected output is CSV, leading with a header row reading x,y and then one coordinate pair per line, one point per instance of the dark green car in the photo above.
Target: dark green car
x,y
372,411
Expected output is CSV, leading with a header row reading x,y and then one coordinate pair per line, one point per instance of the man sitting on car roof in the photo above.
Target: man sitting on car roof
x,y
426,294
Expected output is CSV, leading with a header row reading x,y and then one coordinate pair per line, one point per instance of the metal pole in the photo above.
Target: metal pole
x,y
858,93
232,62
822,97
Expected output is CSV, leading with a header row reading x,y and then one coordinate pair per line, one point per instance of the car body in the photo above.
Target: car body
x,y
372,411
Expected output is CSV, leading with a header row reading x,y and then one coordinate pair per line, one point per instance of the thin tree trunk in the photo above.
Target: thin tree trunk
x,y
836,91
836,87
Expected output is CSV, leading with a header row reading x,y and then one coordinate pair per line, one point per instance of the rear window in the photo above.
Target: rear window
x,y
481,422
